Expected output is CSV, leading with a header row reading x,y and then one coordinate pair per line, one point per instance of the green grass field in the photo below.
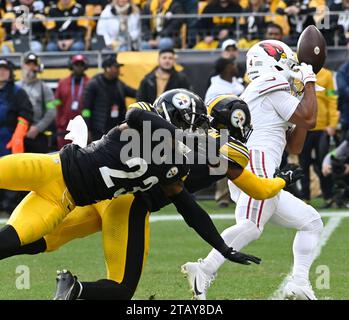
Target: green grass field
x,y
172,244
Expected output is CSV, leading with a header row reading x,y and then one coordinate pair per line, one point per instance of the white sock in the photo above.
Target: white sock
x,y
304,246
237,236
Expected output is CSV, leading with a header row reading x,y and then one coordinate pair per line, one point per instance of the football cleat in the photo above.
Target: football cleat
x,y
296,291
199,281
67,286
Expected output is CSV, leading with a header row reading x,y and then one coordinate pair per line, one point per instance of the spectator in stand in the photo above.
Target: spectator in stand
x,y
343,95
318,139
14,30
229,49
44,105
66,35
105,99
69,96
273,32
300,14
164,77
162,31
225,81
218,29
16,114
119,24
338,31
253,27
190,7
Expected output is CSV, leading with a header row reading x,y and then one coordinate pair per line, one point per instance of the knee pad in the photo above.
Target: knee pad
x,y
315,225
251,229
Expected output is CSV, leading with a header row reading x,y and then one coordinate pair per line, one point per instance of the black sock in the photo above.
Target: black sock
x,y
105,290
10,244
35,247
9,240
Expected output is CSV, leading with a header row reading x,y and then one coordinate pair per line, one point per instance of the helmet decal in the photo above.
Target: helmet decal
x,y
273,50
238,118
181,101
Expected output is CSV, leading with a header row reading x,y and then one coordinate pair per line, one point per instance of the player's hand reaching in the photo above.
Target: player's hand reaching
x,y
239,257
290,173
304,73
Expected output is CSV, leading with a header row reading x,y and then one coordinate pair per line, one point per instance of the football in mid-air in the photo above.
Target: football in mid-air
x,y
311,48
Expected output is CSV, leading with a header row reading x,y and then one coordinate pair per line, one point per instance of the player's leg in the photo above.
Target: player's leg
x,y
292,212
81,222
125,227
28,171
41,211
251,216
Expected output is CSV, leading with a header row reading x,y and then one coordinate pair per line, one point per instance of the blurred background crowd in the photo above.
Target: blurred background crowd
x,y
34,112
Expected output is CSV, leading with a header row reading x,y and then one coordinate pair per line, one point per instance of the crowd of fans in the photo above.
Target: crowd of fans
x,y
125,25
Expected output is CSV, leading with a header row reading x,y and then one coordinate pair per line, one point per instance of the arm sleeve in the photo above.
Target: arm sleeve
x,y
25,108
130,92
50,109
136,117
258,188
142,92
341,151
88,102
284,103
102,28
198,219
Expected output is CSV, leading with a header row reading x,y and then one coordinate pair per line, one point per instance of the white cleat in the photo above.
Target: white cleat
x,y
199,281
295,291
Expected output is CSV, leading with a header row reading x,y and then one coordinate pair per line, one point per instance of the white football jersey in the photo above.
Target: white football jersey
x,y
271,104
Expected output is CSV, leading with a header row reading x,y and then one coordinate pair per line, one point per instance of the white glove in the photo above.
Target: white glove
x,y
304,73
78,131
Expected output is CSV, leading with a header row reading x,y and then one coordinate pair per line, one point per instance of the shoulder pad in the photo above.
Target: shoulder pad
x,y
267,83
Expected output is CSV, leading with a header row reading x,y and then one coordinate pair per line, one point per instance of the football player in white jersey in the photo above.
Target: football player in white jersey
x,y
271,67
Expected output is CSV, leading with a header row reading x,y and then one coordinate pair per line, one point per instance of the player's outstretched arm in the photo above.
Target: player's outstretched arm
x,y
200,221
261,188
306,111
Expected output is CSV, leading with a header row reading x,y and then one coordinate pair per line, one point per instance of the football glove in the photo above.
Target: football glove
x,y
304,73
290,173
239,257
16,144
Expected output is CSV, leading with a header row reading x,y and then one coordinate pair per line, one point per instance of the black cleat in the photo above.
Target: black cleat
x,y
68,286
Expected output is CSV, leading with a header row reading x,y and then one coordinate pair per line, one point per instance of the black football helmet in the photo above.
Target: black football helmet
x,y
231,113
183,108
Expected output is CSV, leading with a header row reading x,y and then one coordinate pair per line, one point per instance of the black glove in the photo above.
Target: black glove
x,y
290,173
239,257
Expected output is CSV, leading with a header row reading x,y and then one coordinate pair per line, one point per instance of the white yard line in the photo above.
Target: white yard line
x,y
226,216
329,228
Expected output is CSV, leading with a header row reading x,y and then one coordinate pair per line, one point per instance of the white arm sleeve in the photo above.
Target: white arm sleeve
x,y
284,103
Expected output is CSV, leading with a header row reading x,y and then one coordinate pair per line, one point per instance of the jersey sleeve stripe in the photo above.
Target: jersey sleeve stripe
x,y
244,152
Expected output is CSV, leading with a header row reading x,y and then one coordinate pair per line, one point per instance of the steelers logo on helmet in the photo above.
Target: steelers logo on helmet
x,y
238,118
181,101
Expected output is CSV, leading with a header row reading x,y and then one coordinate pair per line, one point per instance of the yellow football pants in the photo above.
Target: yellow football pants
x,y
43,209
124,222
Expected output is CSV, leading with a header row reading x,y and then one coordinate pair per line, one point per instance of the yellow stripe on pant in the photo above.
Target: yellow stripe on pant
x,y
43,209
124,222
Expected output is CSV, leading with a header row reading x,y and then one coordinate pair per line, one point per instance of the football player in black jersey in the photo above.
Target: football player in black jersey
x,y
114,218
82,176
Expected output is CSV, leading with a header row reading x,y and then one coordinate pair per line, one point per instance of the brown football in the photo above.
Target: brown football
x,y
311,48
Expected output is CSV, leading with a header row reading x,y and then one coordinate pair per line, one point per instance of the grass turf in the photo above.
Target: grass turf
x,y
172,244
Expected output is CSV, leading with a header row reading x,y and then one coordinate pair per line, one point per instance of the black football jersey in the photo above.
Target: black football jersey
x,y
97,172
200,175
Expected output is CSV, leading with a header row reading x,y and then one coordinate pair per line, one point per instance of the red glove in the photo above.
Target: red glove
x,y
16,143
